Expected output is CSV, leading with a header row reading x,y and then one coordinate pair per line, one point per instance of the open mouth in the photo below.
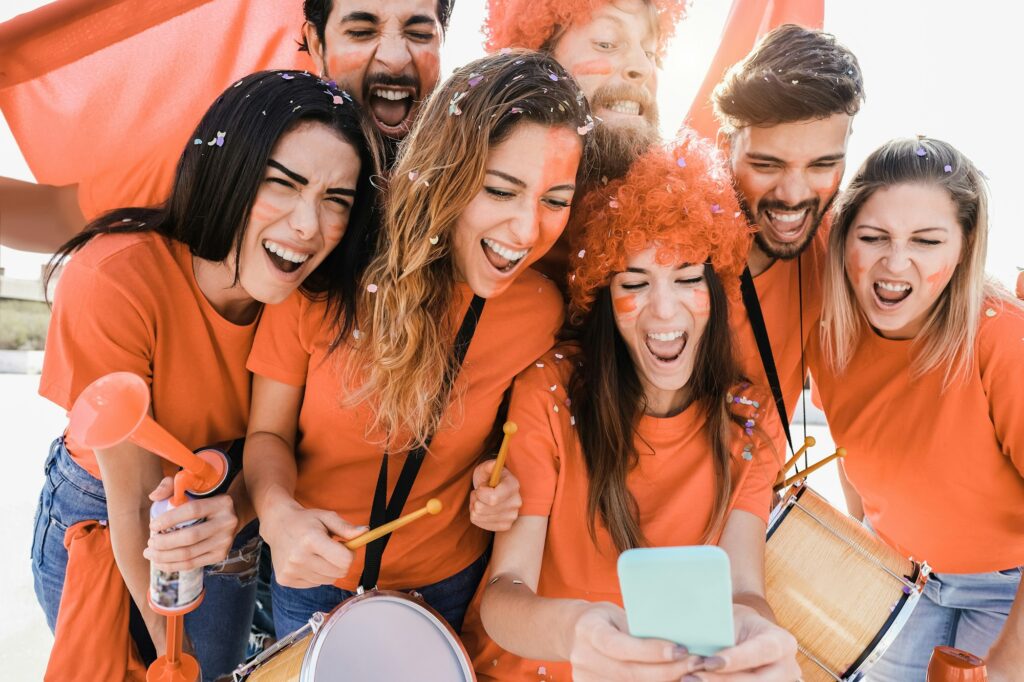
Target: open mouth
x,y
787,225
502,258
627,107
666,347
283,258
889,294
391,107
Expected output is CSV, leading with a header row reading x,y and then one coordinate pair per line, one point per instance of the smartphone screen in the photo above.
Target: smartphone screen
x,y
680,594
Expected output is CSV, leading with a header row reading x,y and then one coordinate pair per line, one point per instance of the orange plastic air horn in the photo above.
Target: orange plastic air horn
x,y
113,409
954,665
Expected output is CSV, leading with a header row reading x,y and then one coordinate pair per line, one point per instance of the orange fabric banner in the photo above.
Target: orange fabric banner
x,y
748,20
104,93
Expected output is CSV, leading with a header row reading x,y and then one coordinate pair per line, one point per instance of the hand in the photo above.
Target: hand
x,y
1002,666
303,551
497,508
602,650
195,546
764,653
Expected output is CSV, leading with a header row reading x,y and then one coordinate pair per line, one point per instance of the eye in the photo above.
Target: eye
x,y
339,202
556,204
928,242
870,238
604,45
632,286
691,280
825,165
420,36
280,181
359,33
500,194
763,166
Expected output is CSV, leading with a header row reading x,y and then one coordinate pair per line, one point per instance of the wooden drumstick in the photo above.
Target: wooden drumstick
x,y
433,506
840,452
509,428
809,442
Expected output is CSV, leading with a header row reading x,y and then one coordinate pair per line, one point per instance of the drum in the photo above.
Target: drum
x,y
378,635
841,591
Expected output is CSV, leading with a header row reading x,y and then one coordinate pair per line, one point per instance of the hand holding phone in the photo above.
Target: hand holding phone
x,y
679,594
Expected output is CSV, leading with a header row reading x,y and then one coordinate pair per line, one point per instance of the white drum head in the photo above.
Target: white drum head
x,y
385,636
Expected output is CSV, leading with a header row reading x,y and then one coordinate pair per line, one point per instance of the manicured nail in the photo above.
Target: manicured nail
x,y
680,652
713,663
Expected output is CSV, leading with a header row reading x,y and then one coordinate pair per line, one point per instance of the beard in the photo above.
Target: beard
x,y
617,145
784,250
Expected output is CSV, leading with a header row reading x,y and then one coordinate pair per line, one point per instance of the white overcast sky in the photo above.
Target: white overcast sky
x,y
944,68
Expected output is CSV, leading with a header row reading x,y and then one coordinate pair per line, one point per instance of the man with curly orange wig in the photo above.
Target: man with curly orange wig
x,y
787,111
612,48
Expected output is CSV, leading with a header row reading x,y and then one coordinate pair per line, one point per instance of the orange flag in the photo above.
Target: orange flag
x,y
104,93
748,21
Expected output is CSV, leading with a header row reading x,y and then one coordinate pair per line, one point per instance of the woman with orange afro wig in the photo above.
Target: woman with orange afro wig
x,y
645,424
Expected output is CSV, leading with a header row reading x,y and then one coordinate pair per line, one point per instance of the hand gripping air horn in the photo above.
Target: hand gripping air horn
x,y
113,409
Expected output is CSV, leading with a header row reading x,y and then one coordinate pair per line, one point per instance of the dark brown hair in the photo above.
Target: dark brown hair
x,y
792,74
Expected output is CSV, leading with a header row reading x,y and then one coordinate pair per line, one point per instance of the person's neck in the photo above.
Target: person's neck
x,y
662,403
217,282
758,261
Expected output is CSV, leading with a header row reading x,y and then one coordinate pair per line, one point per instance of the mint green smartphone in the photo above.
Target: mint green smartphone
x,y
681,594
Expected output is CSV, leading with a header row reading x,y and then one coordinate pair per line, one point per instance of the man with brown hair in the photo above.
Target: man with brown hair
x,y
787,110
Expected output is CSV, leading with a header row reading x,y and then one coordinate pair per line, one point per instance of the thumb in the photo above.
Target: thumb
x,y
340,527
482,474
164,490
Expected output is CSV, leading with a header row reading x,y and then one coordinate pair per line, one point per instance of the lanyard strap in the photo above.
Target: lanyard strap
x,y
764,347
383,510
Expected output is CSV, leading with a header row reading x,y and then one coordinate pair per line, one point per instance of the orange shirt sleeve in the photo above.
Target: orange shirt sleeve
x,y
96,327
1001,361
766,442
280,351
534,452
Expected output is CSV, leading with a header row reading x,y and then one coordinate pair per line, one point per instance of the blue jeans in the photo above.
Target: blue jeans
x,y
293,607
962,610
219,628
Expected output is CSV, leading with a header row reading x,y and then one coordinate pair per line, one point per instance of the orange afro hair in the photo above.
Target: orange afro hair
x,y
531,23
677,197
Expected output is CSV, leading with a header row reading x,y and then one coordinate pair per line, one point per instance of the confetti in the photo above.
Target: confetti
x,y
287,76
613,203
515,110
555,407
433,240
238,83
681,162
553,387
948,168
553,76
356,334
197,141
920,151
453,107
794,82
338,99
559,356
474,79
582,253
572,420
332,84
540,364
372,288
413,175
716,209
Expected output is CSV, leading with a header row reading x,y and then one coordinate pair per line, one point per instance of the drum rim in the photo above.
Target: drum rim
x,y
778,515
413,600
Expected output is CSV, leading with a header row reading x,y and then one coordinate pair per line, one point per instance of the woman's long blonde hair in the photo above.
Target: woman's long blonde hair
x,y
407,310
947,339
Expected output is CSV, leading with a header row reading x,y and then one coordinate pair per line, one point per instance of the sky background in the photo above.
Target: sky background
x,y
942,68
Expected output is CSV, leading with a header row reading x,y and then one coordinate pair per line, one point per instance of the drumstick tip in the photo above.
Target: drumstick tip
x,y
434,506
509,428
809,442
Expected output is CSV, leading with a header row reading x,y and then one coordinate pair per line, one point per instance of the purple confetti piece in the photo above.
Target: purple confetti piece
x,y
681,162
716,209
515,110
553,76
474,80
332,84
220,139
338,99
287,76
920,151
948,168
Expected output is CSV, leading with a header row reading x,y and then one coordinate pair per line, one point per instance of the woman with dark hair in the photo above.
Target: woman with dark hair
x,y
482,189
272,194
640,434
919,364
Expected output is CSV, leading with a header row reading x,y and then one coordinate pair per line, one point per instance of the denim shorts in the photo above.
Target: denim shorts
x,y
293,607
219,628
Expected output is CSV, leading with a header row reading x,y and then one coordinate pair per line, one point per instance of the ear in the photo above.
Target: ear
x,y
316,49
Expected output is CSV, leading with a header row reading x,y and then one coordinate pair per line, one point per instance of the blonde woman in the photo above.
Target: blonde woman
x,y
920,364
340,422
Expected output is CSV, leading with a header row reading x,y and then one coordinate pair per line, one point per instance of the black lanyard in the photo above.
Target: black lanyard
x,y
764,347
384,511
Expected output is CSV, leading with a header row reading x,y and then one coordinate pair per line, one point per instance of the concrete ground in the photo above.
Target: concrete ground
x,y
28,424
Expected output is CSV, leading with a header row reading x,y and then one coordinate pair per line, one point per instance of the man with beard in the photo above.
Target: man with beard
x,y
385,52
787,110
612,49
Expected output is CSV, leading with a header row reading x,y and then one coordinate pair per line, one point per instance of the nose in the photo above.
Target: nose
x,y
305,219
525,224
639,67
663,301
393,52
793,188
898,258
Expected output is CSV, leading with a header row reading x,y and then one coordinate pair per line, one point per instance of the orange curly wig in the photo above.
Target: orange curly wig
x,y
678,197
531,23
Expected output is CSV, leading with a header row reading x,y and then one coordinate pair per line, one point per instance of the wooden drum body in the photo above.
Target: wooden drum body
x,y
841,591
378,635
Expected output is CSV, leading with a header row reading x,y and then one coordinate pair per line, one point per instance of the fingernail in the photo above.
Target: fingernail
x,y
679,652
713,663
690,678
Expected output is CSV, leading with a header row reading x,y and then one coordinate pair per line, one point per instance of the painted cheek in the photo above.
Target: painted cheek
x,y
428,67
594,67
562,149
263,211
854,267
343,64
701,303
625,304
938,280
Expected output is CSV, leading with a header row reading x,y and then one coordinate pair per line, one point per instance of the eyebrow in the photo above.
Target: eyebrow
x,y
758,156
920,229
641,271
372,18
303,181
519,183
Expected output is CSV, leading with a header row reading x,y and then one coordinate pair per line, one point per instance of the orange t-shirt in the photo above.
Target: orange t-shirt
x,y
673,486
338,462
941,474
131,303
778,290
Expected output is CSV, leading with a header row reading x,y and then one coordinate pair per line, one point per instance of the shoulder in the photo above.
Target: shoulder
x,y
551,372
536,294
125,252
1001,330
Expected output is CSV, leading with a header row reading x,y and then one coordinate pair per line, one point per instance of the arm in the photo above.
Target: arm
x,y
38,217
763,650
854,506
494,509
590,635
1007,653
304,553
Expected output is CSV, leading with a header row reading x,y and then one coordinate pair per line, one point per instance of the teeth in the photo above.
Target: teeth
x,y
393,95
787,217
287,254
625,106
665,336
897,288
507,254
